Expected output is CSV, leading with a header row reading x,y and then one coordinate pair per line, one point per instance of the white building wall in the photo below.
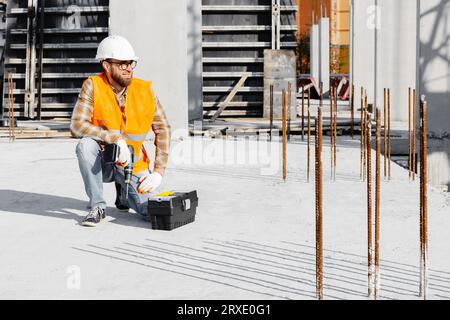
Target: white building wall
x,y
434,82
435,63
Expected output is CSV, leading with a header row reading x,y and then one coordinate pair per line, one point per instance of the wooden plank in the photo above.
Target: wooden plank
x,y
37,135
33,133
230,96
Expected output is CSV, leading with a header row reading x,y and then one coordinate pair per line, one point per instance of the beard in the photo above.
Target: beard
x,y
121,80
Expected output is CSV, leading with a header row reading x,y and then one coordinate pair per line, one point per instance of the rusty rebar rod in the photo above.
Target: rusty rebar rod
x,y
389,133
303,112
409,133
377,202
366,120
424,201
319,212
309,143
362,136
414,124
271,112
335,133
385,132
309,98
352,109
289,97
370,257
284,125
331,130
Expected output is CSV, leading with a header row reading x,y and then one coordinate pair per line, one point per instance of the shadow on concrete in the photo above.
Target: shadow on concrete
x,y
60,207
294,175
155,262
434,82
345,278
394,272
277,271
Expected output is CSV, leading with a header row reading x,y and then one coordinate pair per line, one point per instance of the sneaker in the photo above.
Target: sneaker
x,y
94,217
118,204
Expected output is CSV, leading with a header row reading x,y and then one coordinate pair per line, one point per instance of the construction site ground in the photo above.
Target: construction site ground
x,y
253,236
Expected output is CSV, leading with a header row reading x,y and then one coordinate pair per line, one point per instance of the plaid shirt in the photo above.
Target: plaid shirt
x,y
80,125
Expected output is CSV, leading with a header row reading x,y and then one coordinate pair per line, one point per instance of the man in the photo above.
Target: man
x,y
116,108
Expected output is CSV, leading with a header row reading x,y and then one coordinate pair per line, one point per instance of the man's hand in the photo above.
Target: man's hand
x,y
149,182
124,157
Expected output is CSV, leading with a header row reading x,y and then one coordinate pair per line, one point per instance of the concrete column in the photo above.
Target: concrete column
x,y
314,52
158,32
324,45
397,52
363,48
385,51
320,53
279,71
194,55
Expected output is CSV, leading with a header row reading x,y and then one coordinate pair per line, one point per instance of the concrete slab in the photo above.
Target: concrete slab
x,y
253,237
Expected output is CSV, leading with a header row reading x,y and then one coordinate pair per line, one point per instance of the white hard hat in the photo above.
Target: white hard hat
x,y
115,47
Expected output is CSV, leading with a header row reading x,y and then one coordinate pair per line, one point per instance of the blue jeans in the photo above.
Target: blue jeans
x,y
95,172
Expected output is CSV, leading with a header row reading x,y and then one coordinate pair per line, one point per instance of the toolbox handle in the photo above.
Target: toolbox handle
x,y
186,204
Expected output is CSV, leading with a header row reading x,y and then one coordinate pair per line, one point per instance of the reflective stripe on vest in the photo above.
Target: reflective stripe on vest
x,y
139,110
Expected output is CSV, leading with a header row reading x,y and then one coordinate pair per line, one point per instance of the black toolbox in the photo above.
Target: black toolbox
x,y
170,210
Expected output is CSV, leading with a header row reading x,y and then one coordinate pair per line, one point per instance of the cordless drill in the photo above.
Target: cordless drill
x,y
128,170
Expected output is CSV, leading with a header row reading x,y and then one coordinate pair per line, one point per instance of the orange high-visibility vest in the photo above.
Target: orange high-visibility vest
x,y
139,111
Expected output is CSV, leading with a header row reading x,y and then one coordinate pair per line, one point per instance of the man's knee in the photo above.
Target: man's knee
x,y
87,148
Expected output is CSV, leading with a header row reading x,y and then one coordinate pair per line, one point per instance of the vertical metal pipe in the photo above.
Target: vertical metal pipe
x,y
273,25
369,206
41,8
303,112
284,133
319,229
271,111
278,22
377,202
31,95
